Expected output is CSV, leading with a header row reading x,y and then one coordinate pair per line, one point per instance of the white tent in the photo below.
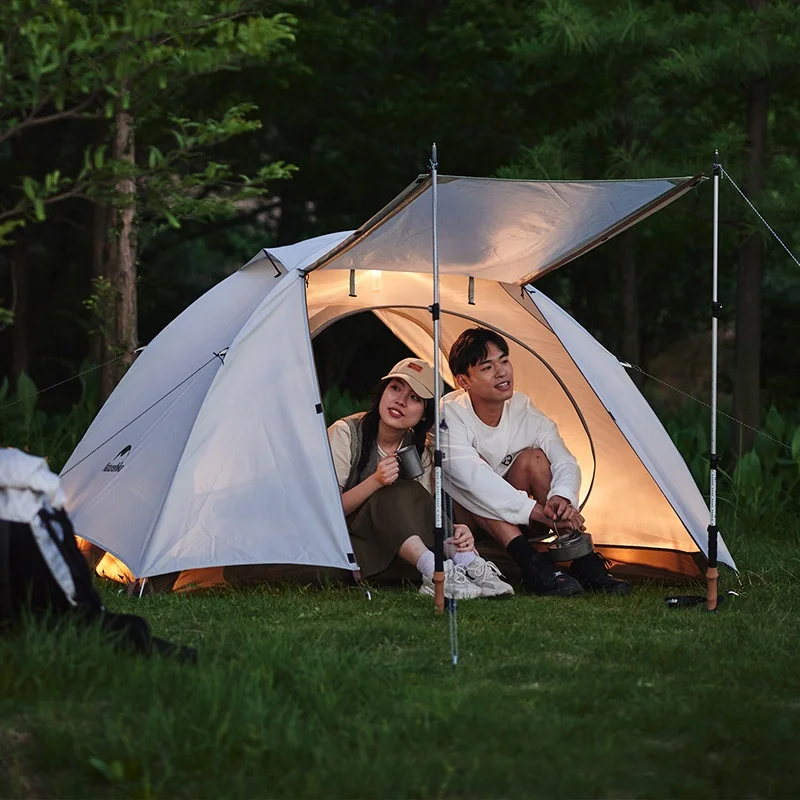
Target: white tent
x,y
212,450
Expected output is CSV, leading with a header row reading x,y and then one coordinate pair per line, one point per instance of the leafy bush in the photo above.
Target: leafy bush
x,y
338,404
759,483
55,435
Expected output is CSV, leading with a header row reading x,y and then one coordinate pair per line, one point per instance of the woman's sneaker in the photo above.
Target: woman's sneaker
x,y
456,583
485,575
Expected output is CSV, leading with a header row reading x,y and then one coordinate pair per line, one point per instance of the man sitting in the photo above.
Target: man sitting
x,y
506,466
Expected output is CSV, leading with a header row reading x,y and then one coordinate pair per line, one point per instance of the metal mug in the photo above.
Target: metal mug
x,y
410,463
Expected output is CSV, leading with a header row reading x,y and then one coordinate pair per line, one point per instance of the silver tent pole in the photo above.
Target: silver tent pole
x,y
712,574
438,538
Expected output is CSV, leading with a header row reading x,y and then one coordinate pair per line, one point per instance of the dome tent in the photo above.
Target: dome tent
x,y
212,450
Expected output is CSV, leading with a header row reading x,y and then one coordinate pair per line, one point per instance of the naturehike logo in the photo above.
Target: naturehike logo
x,y
118,462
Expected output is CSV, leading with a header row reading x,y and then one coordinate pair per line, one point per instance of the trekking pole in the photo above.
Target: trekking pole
x,y
712,599
438,534
712,573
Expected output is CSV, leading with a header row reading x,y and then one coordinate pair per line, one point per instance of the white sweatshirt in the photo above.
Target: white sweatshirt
x,y
478,455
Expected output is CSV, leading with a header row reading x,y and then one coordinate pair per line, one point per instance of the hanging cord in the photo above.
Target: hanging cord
x,y
756,212
708,405
71,378
152,405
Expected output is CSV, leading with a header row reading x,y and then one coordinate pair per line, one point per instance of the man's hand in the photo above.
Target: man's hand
x,y
462,538
388,470
559,509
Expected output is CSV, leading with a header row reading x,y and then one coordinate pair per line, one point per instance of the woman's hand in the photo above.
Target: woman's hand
x,y
388,470
462,538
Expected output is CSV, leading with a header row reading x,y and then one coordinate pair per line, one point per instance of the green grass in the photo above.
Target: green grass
x,y
323,693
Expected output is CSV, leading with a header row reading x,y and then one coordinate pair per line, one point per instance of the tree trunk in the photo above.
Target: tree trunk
x,y
631,334
122,256
747,365
20,350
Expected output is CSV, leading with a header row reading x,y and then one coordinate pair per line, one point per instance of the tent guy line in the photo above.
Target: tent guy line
x,y
71,378
218,355
758,431
757,213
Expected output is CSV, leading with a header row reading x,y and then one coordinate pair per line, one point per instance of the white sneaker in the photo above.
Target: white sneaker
x,y
485,575
456,583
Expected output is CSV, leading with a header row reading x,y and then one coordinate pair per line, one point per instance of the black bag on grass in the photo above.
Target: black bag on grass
x,y
43,574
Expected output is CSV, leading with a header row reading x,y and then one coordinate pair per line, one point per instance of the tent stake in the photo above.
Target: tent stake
x,y
438,536
712,574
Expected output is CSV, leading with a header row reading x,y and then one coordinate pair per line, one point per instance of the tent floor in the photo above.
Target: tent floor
x,y
626,562
639,565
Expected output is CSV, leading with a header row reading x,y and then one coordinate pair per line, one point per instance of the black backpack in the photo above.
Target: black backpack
x,y
44,575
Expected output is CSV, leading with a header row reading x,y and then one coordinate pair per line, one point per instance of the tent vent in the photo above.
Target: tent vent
x,y
318,407
353,283
471,293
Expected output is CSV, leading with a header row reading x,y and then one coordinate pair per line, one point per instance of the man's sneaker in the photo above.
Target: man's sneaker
x,y
456,583
542,577
485,575
592,572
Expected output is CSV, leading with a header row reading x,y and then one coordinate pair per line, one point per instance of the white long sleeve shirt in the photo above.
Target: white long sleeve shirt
x,y
477,456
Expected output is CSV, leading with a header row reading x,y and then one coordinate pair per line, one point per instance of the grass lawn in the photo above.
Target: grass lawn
x,y
323,693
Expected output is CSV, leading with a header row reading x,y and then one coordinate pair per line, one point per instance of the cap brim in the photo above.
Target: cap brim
x,y
425,394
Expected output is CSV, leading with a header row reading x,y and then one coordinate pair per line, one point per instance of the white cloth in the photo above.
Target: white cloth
x,y
339,438
478,455
26,483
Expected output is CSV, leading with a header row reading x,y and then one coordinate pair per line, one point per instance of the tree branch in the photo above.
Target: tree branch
x,y
17,211
32,120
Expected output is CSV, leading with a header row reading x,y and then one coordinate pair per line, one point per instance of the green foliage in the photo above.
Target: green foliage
x,y
338,404
756,485
53,436
6,316
100,304
82,62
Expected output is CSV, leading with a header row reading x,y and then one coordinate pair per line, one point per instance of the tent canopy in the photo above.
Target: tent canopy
x,y
506,230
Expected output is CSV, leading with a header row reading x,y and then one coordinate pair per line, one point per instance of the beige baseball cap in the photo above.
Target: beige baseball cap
x,y
418,374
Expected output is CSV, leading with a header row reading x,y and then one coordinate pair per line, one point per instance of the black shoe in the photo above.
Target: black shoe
x,y
542,577
592,572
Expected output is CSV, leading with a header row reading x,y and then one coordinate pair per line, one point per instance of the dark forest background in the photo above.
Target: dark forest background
x,y
148,148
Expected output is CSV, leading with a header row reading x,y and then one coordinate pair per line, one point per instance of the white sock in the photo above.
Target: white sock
x,y
464,559
426,563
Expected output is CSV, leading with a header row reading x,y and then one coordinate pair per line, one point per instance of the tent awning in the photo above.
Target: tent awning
x,y
513,231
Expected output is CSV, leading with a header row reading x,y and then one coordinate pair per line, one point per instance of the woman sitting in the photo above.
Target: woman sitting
x,y
388,515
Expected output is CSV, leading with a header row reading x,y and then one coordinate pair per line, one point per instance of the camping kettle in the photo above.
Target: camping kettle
x,y
410,463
